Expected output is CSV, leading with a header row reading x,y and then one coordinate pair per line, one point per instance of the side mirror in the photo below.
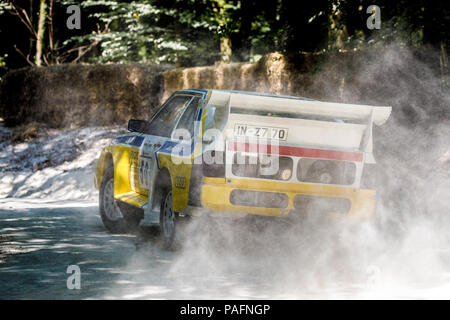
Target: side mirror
x,y
135,125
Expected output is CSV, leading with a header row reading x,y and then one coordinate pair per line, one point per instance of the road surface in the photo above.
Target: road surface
x,y
40,239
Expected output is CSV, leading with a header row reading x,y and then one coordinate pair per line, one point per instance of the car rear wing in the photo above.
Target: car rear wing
x,y
335,126
300,106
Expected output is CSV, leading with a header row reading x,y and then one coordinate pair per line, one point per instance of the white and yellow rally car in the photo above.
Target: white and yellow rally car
x,y
235,153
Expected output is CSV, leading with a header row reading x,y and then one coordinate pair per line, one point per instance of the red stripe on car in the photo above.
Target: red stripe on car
x,y
295,151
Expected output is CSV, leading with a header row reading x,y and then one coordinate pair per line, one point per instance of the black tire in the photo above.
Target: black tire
x,y
167,220
116,217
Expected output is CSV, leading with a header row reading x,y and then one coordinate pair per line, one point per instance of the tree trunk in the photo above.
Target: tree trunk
x,y
225,49
31,48
337,30
40,33
50,25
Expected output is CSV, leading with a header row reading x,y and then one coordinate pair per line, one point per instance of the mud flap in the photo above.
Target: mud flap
x,y
151,217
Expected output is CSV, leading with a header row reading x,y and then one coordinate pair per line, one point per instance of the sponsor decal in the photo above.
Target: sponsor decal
x,y
180,182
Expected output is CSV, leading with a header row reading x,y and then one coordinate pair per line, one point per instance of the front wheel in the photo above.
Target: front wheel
x,y
115,218
168,219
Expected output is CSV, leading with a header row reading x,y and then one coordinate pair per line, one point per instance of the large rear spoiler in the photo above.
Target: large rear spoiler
x,y
378,114
330,125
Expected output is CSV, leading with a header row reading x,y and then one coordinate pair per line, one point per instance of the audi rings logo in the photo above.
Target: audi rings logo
x,y
180,182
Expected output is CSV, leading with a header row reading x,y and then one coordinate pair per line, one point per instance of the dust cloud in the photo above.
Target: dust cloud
x,y
403,252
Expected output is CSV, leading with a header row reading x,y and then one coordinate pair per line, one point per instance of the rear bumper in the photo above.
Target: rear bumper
x,y
216,193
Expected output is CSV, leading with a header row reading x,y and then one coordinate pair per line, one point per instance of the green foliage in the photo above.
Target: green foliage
x,y
145,31
189,32
4,6
3,63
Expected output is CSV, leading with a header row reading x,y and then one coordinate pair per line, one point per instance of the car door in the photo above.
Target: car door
x,y
158,132
186,140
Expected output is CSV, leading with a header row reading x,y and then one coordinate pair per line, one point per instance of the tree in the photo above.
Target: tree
x,y
42,45
171,31
40,32
201,32
222,14
26,18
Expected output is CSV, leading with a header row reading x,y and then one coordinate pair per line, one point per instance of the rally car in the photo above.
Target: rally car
x,y
234,153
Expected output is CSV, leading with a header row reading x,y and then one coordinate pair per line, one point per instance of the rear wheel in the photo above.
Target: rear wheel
x,y
168,220
116,217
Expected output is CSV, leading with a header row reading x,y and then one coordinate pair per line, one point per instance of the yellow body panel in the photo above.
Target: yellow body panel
x,y
102,165
180,175
133,198
122,156
216,196
126,160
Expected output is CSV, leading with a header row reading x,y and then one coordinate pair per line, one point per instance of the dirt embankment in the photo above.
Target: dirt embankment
x,y
406,79
80,95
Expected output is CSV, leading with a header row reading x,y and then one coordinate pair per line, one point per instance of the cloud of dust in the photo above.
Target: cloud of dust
x,y
402,252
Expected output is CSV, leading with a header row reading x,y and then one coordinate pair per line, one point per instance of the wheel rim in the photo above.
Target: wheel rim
x,y
168,217
112,210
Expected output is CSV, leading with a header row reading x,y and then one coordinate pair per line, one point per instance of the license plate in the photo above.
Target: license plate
x,y
260,132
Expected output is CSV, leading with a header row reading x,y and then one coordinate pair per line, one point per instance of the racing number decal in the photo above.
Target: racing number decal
x,y
144,172
133,168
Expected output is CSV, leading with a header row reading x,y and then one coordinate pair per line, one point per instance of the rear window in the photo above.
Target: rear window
x,y
216,117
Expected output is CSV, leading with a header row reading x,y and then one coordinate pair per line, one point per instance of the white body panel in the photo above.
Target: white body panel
x,y
308,133
333,132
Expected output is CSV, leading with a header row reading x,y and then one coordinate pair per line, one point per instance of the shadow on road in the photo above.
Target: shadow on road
x,y
214,259
40,241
